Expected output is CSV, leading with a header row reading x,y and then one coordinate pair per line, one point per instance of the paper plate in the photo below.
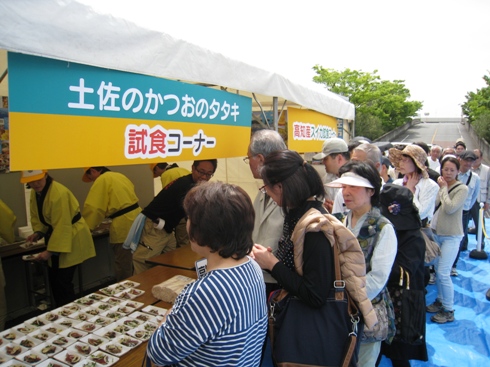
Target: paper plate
x,y
31,357
69,357
48,349
102,358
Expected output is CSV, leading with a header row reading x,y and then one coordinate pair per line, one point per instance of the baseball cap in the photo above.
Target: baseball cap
x,y
32,175
468,155
331,146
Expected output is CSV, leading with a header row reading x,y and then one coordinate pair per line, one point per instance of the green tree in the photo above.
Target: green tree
x,y
482,125
381,103
477,103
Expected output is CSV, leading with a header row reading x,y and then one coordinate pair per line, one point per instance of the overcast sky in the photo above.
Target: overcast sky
x,y
441,49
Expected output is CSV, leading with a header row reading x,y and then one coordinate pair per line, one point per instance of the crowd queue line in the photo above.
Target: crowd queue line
x,y
441,203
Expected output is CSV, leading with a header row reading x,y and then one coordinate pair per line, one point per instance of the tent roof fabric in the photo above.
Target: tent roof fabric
x,y
71,31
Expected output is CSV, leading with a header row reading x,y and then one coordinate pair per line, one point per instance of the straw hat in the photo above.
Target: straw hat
x,y
32,175
415,152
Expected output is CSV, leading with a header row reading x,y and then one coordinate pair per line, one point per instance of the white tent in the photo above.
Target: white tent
x,y
72,31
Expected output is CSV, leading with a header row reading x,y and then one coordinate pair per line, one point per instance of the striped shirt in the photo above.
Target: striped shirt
x,y
218,320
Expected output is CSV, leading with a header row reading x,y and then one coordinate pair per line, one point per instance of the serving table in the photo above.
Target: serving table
x,y
182,258
146,280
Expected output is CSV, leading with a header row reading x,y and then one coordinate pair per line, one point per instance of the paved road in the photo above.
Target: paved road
x,y
443,134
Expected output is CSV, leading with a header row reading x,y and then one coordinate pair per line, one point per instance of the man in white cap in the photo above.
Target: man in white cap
x,y
335,153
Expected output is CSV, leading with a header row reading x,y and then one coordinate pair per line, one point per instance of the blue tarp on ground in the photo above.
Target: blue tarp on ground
x,y
466,341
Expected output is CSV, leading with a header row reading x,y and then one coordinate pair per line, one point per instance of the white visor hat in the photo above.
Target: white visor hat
x,y
350,179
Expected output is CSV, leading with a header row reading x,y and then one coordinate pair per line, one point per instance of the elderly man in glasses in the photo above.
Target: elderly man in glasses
x,y
165,212
269,219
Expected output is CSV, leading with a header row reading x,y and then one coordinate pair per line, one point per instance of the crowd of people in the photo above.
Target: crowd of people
x,y
383,202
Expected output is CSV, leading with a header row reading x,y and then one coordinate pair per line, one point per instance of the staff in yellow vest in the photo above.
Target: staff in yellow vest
x,y
55,216
112,196
7,228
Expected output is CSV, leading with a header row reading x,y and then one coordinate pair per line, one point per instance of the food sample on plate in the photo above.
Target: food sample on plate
x,y
85,301
155,311
26,329
102,358
43,336
32,358
28,343
128,341
142,334
80,316
87,364
114,315
61,341
149,326
114,301
106,332
108,291
54,328
113,348
51,316
130,293
132,323
101,321
13,350
37,322
134,304
52,363
129,284
125,309
87,326
143,317
102,306
65,312
11,335
121,328
95,341
72,358
73,307
75,334
49,349
96,297
119,288
67,322
83,349
92,311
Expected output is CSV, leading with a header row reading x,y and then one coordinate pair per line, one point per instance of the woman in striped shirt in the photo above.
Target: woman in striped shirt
x,y
221,318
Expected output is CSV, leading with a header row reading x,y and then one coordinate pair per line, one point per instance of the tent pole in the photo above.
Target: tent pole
x,y
274,112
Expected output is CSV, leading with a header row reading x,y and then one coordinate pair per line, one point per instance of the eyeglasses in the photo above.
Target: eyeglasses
x,y
263,190
204,174
246,160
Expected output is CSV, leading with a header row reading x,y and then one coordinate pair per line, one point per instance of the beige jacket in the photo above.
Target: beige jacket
x,y
352,263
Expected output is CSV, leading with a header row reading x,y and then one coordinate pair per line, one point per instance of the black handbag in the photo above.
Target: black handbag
x,y
303,336
412,330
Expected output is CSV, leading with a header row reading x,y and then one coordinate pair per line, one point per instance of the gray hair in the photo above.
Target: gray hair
x,y
373,153
436,147
265,142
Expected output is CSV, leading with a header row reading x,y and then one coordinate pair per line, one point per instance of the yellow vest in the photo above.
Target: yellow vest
x,y
73,242
111,192
7,223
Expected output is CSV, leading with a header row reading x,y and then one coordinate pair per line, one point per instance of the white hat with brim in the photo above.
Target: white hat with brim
x,y
351,179
32,175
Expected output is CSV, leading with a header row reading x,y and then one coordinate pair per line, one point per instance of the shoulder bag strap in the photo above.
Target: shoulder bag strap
x,y
439,205
339,286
